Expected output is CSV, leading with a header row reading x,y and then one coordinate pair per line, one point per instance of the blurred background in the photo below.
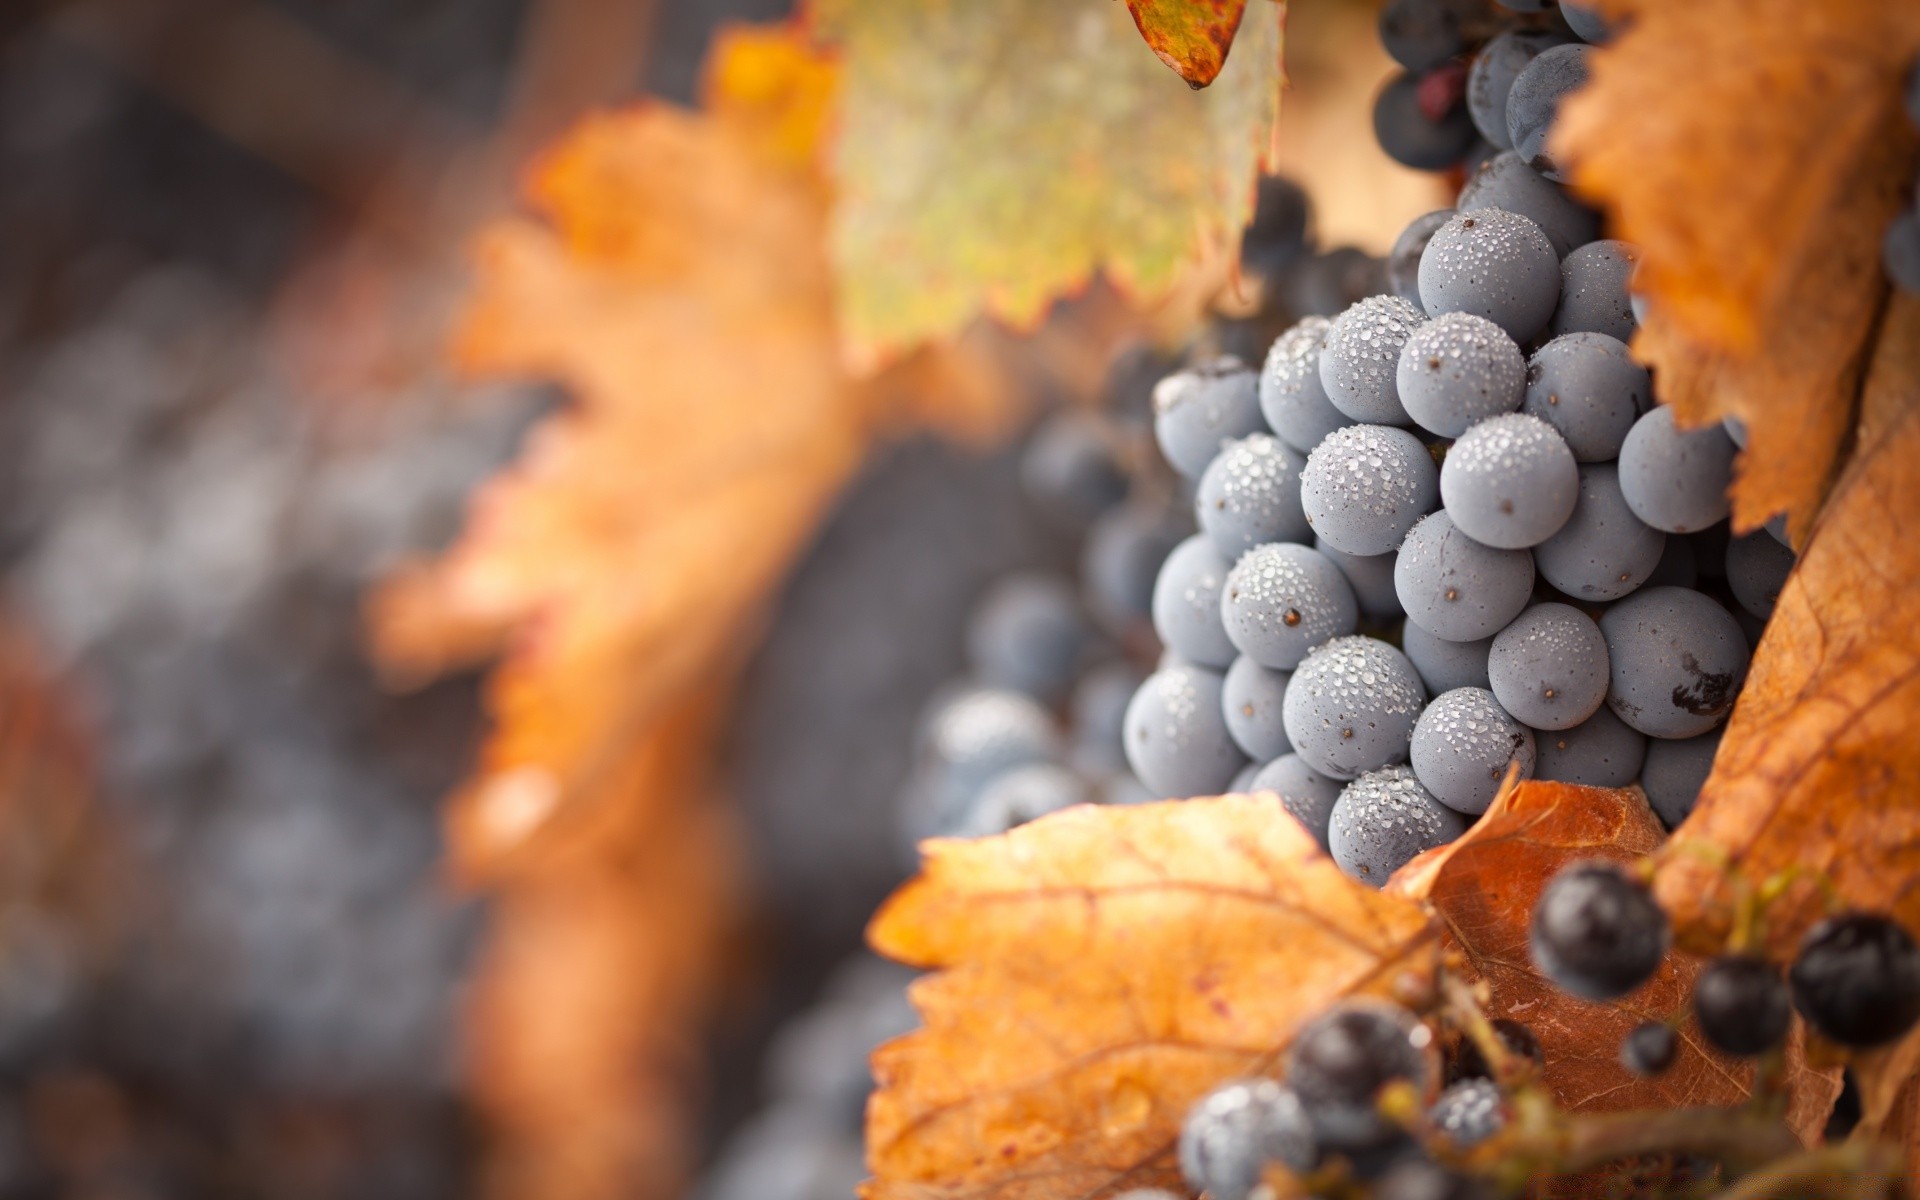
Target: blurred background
x,y
231,233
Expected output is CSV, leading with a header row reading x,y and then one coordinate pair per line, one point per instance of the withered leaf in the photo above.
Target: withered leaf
x,y
1755,150
994,155
1099,970
1819,772
1484,887
1191,36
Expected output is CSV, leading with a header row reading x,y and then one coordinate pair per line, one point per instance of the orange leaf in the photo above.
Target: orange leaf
x,y
1819,772
1100,969
1191,36
1484,887
1755,150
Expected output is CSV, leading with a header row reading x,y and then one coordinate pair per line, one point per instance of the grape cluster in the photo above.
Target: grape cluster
x,y
1450,531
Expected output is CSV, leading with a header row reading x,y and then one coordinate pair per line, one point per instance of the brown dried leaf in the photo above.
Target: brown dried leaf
x,y
1484,887
1819,772
1191,36
1755,150
1100,969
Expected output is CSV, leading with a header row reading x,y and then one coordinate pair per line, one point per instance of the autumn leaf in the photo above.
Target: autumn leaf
x,y
1755,150
1097,971
1484,887
1191,36
994,155
1819,772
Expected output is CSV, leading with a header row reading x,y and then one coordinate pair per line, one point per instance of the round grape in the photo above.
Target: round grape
x,y
1281,600
1469,1112
1291,398
1505,182
1594,279
1495,68
1028,633
1305,793
1186,603
1586,21
1403,261
1023,794
1445,665
1251,697
1741,1005
1366,485
1196,411
1678,660
1676,480
1456,371
1535,99
1598,934
1371,576
1351,706
1250,494
1343,1058
1757,568
966,741
1412,135
1243,782
1495,264
1462,746
1454,587
1601,751
1603,551
1177,741
1327,283
1549,668
1856,979
1674,772
1422,34
1236,1130
1122,560
1588,388
1510,482
1276,238
1072,468
1382,820
1650,1049
1362,354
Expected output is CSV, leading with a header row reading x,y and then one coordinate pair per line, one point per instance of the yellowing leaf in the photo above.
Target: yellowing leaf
x,y
995,154
1191,36
1097,971
1819,772
1484,887
1755,150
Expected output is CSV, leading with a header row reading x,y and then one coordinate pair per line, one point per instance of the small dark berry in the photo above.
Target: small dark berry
x,y
1236,1130
1650,1049
1342,1059
1857,979
1741,1004
1597,933
1469,1112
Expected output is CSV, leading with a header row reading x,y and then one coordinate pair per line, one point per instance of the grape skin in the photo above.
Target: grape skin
x,y
1495,264
1456,588
1510,482
1603,552
1550,667
1534,102
1186,603
1601,751
1505,182
1371,576
1071,470
1236,1130
1021,795
1463,745
1586,21
1198,410
1292,400
1251,698
1366,485
1598,934
1587,386
1678,660
1305,793
1250,493
1412,138
1444,665
1403,261
1491,78
1351,706
1177,741
1359,362
1676,480
1757,568
1594,281
1674,771
1027,633
1281,600
1124,553
1456,371
1382,820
